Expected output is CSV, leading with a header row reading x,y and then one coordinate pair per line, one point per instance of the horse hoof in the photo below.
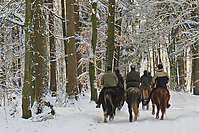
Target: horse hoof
x,y
130,120
153,113
157,117
135,118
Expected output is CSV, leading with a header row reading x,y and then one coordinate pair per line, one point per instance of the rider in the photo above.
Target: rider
x,y
132,78
160,79
145,79
120,87
149,74
120,84
108,80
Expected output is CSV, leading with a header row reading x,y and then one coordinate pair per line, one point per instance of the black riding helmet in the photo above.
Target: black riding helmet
x,y
109,67
145,72
160,66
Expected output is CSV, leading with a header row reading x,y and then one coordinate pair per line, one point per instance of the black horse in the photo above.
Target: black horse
x,y
133,98
109,102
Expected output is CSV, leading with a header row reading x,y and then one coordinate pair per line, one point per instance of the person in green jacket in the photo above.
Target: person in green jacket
x,y
132,78
145,79
108,80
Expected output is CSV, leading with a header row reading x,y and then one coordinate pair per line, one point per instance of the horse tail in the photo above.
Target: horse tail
x,y
134,98
109,103
135,108
163,100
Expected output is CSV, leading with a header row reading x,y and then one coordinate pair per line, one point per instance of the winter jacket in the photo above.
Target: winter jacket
x,y
132,79
160,79
109,79
120,81
150,79
145,80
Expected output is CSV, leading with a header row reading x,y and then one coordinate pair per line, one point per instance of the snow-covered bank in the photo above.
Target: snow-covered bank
x,y
83,117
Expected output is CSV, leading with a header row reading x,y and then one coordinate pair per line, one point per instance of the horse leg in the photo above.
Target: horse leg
x,y
143,103
158,109
105,116
153,109
147,94
147,107
111,117
130,112
162,117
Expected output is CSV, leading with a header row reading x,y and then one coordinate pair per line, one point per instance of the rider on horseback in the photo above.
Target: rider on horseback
x,y
109,80
145,79
132,78
160,79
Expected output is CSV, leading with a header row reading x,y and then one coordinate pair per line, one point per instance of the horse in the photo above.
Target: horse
x,y
133,99
109,102
145,94
120,97
160,98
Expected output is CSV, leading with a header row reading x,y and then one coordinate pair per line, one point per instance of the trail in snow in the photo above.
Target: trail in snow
x,y
181,117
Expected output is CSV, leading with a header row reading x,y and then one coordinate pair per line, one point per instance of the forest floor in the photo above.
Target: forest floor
x,y
83,117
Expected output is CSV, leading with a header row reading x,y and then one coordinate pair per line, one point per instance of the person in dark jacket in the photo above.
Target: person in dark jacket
x,y
145,79
120,84
160,79
120,88
132,78
108,80
149,73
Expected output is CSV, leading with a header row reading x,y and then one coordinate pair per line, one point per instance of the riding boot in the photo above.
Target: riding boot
x,y
148,99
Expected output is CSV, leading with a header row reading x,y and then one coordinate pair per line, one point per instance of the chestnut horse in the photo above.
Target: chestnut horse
x,y
109,102
145,94
133,99
160,98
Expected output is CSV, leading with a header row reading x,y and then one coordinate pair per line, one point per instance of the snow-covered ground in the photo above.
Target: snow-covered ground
x,y
83,117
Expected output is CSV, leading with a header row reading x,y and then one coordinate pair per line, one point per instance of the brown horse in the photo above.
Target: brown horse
x,y
133,99
145,94
160,98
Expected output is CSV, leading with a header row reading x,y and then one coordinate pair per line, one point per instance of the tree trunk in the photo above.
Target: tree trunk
x,y
71,49
41,59
195,50
53,84
111,31
92,58
77,32
64,36
119,24
28,83
181,71
195,71
172,60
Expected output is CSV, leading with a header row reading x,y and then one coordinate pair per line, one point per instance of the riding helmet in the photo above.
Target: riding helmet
x,y
109,67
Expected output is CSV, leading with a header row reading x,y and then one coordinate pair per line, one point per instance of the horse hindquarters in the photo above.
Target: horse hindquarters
x,y
145,94
133,100
164,98
160,98
109,104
